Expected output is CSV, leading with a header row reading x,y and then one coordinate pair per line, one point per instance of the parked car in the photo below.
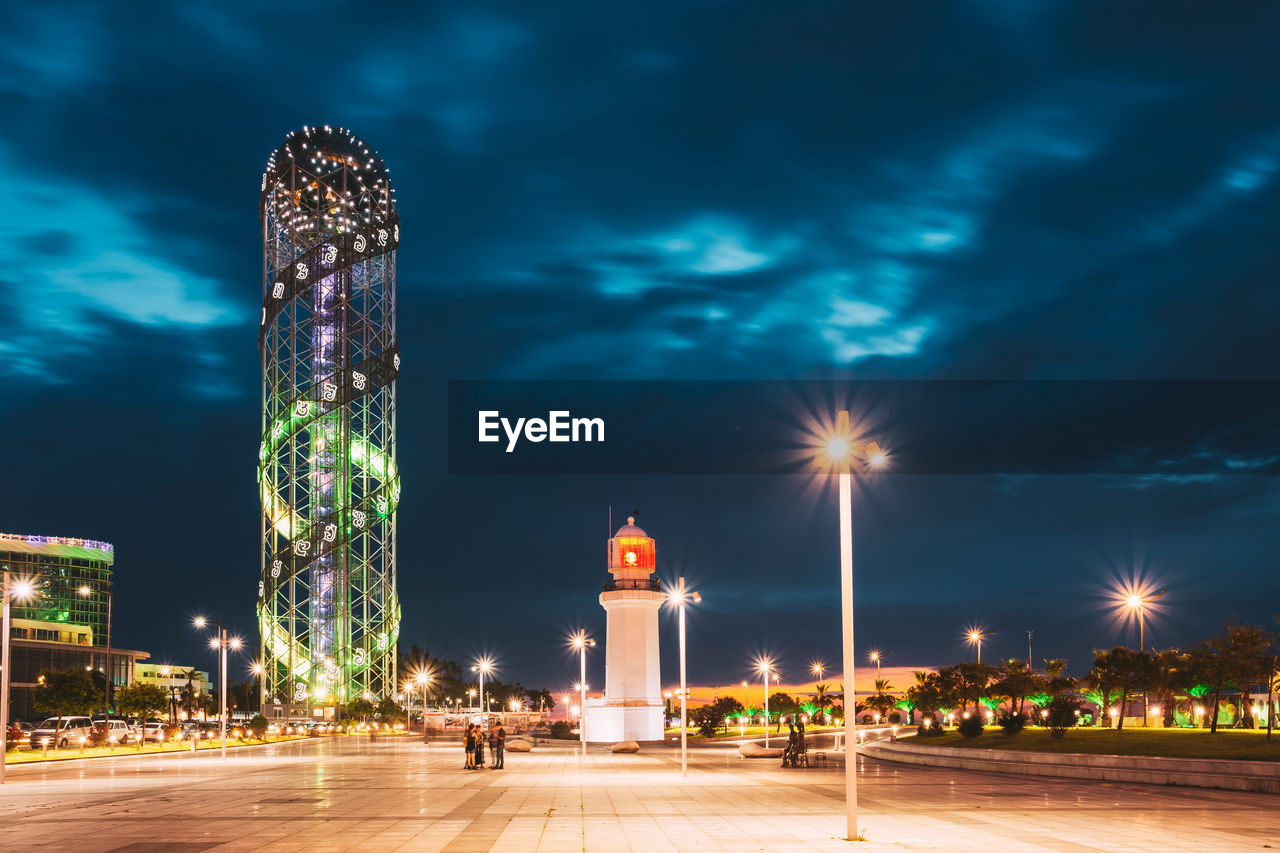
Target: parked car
x,y
118,731
70,731
151,730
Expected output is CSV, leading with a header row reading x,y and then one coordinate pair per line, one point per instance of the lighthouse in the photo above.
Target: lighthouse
x,y
632,705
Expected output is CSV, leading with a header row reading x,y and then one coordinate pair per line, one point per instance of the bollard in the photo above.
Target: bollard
x,y
44,748
193,742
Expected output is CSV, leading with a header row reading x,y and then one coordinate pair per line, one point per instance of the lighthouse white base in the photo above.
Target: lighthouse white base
x,y
613,723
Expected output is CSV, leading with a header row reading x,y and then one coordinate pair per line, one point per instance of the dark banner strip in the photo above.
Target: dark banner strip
x,y
1173,430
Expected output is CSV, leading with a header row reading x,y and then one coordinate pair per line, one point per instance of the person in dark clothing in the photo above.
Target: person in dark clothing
x,y
470,742
479,748
499,747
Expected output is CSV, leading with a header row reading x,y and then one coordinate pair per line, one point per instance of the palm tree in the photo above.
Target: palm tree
x,y
822,698
1056,682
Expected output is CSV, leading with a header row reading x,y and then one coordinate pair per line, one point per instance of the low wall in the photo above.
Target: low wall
x,y
1258,776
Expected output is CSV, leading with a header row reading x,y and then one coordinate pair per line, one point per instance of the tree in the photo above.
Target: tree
x,y
1109,680
968,681
358,707
1056,682
782,705
258,726
1016,681
142,701
68,692
1240,656
882,701
1170,675
926,693
822,697
389,711
1062,713
1248,650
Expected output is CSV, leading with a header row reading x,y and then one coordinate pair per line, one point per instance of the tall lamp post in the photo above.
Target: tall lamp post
x,y
483,666
581,642
975,636
836,453
1138,601
817,668
874,656
763,666
423,678
85,591
222,643
680,597
21,589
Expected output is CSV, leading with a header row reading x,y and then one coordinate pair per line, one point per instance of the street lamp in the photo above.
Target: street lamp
x,y
975,636
680,597
85,591
484,666
19,589
423,678
836,453
581,642
874,657
1137,599
222,643
763,666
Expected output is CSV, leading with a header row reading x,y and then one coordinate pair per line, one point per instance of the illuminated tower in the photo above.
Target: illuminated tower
x,y
327,605
632,707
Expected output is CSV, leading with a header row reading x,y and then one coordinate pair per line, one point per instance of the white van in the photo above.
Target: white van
x,y
72,729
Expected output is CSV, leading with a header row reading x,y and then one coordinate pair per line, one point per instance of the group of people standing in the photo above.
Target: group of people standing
x,y
476,739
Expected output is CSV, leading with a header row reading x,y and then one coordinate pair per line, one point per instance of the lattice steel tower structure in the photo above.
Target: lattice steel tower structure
x,y
327,605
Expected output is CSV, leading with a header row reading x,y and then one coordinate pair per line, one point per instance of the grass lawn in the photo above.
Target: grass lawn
x,y
1239,744
26,756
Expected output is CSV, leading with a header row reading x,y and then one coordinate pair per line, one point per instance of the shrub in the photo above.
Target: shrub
x,y
259,725
1011,723
1062,715
895,717
562,729
970,727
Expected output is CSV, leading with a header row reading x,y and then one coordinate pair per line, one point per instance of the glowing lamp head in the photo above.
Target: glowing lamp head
x,y
234,642
199,622
22,589
837,448
1135,601
213,644
84,590
630,558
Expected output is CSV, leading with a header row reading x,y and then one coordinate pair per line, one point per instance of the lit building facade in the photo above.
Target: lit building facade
x,y
632,706
328,611
73,580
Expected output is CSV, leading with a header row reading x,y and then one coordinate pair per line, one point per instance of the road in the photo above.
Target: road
x,y
396,793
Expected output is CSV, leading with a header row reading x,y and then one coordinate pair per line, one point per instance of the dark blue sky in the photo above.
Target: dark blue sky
x,y
988,190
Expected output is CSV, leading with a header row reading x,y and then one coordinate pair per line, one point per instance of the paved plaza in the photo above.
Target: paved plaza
x,y
398,794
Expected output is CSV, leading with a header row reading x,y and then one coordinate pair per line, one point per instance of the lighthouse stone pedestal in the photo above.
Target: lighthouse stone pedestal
x,y
632,707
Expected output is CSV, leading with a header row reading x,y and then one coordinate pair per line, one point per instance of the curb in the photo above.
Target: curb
x,y
1253,776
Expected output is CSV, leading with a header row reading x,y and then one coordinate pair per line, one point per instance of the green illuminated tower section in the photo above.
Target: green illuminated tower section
x,y
327,606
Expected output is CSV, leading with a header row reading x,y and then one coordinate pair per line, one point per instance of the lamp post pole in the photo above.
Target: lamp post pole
x,y
582,698
846,620
836,453
580,641
4,681
681,597
106,688
222,692
764,678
